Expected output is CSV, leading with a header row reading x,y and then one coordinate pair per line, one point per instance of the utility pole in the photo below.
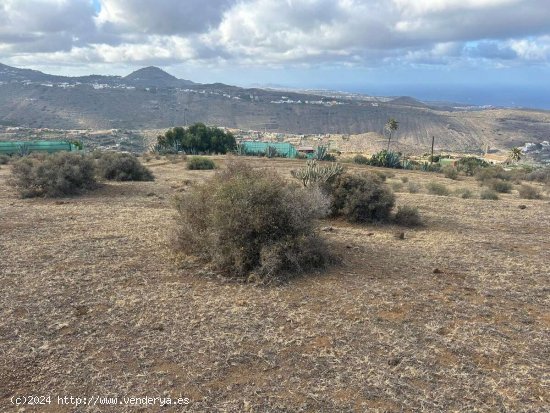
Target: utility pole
x,y
432,158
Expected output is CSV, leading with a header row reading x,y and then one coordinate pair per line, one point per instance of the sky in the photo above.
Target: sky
x,y
472,51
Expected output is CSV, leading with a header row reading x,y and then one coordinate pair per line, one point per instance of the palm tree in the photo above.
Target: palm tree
x,y
391,126
515,154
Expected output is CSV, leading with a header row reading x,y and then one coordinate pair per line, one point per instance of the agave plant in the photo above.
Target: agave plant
x,y
271,152
23,149
386,159
320,153
313,173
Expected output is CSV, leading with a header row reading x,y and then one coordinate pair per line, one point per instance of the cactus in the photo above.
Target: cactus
x,y
314,174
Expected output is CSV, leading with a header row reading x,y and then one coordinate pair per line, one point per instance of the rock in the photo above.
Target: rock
x,y
327,229
437,271
400,235
522,206
370,234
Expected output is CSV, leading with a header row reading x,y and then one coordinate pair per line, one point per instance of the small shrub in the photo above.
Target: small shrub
x,y
53,175
465,193
116,166
4,159
435,188
413,188
450,172
408,216
252,223
199,163
360,198
529,192
540,175
500,186
396,186
488,194
361,160
404,179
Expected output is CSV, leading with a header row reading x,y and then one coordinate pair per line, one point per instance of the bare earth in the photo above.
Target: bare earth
x,y
94,304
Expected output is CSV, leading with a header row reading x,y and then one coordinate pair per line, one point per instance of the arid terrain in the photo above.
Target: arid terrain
x,y
452,318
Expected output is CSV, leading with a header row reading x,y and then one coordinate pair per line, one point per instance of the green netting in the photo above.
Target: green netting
x,y
11,148
284,149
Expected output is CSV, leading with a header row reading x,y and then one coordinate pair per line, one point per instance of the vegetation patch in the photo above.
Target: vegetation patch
x,y
252,223
529,192
499,185
54,175
489,194
360,198
408,216
199,163
116,166
435,188
450,172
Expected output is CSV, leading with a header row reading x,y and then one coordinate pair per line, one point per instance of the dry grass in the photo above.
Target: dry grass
x,y
93,304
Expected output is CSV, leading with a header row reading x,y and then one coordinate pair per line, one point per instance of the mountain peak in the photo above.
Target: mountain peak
x,y
150,73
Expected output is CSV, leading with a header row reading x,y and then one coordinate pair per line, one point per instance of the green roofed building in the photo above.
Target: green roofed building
x,y
21,147
284,149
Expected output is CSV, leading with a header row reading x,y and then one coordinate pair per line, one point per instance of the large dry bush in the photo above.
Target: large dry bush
x,y
53,175
252,222
116,166
360,198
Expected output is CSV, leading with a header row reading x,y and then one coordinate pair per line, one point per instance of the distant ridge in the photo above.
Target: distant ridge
x,y
408,101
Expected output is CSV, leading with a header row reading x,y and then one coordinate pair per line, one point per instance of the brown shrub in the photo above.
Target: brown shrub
x,y
53,175
360,198
247,221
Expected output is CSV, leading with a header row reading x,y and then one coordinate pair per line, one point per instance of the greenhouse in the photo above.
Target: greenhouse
x,y
25,147
284,149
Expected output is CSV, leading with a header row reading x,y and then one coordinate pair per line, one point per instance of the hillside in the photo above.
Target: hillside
x,y
151,99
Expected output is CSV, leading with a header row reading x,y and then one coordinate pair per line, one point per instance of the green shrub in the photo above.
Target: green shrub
x,y
386,159
360,198
200,162
435,188
252,223
450,172
470,165
116,166
404,179
500,186
408,216
529,192
488,194
413,187
361,160
53,175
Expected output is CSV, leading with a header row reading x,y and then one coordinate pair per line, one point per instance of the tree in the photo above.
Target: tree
x,y
515,154
391,126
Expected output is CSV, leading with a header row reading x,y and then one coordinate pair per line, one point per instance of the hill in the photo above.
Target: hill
x,y
153,99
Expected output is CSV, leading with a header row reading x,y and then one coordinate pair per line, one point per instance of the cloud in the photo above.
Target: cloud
x,y
277,33
163,16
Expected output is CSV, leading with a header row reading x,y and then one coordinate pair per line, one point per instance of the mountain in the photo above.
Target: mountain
x,y
150,98
154,77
